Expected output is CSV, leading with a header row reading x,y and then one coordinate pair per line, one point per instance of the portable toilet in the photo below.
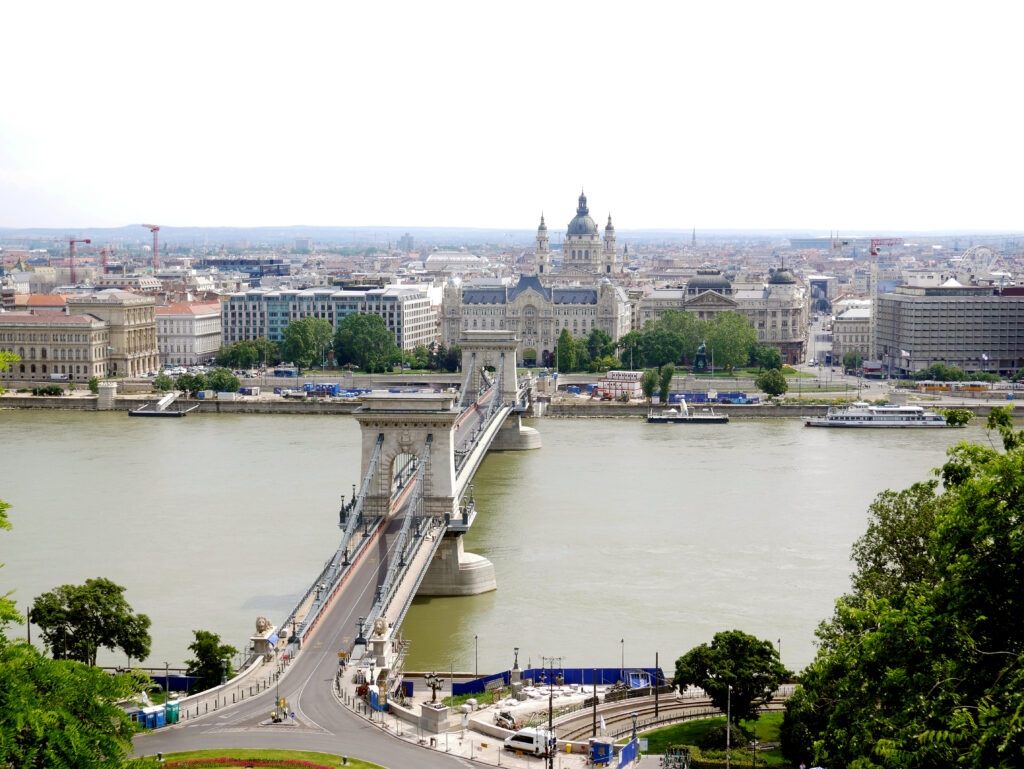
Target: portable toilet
x,y
171,709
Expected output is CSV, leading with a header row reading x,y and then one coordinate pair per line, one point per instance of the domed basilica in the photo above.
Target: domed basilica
x,y
583,253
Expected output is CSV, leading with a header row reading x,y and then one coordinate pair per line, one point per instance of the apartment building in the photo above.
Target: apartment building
x,y
188,333
266,313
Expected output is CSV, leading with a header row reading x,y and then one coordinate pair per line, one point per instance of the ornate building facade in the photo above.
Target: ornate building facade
x,y
584,253
776,309
535,312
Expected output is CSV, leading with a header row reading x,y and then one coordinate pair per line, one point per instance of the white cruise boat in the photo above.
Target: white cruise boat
x,y
862,414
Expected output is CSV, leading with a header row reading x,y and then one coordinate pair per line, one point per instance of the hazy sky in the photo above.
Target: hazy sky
x,y
820,115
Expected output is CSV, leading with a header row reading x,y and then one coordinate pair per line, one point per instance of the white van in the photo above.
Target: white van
x,y
530,740
58,377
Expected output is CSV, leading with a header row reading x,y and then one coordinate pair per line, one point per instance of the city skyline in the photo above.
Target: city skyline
x,y
798,117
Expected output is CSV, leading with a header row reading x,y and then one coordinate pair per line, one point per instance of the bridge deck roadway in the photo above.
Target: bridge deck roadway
x,y
321,722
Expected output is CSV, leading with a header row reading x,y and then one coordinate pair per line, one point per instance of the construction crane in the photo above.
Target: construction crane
x,y
154,228
876,242
71,243
104,252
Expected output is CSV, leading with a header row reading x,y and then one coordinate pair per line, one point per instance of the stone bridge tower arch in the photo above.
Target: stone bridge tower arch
x,y
405,420
486,348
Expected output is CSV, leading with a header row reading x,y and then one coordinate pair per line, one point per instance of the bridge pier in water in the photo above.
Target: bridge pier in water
x,y
405,420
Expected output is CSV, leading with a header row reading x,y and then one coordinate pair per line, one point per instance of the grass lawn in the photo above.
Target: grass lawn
x,y
242,754
690,733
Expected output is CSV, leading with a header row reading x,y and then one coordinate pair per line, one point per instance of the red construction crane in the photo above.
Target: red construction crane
x,y
71,243
154,228
104,252
876,242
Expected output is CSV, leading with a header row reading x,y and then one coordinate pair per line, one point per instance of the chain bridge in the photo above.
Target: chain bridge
x,y
402,531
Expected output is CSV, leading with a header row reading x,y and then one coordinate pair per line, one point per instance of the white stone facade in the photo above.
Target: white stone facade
x,y
188,333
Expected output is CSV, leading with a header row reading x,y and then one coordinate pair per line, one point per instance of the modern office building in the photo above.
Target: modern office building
x,y
188,333
265,313
975,328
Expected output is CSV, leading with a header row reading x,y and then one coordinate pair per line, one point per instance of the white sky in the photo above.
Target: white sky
x,y
821,115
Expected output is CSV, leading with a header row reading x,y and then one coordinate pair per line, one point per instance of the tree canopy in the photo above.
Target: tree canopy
x,y
306,341
221,380
212,659
922,665
730,337
77,620
366,342
247,353
771,382
59,712
748,665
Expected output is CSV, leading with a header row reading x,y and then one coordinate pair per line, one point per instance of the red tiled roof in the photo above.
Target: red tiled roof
x,y
47,300
188,308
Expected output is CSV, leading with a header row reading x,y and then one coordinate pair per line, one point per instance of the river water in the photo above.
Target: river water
x,y
616,539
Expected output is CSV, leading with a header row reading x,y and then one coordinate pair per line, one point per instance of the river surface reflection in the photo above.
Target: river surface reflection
x,y
616,538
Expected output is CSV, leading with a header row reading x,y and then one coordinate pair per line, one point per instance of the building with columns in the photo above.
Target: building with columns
x,y
777,309
584,254
131,319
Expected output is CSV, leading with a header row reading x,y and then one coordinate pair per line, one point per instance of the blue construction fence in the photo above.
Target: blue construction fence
x,y
637,678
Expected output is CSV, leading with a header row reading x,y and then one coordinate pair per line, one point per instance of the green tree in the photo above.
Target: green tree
x,y
267,352
57,712
659,346
607,363
77,620
94,385
629,346
191,383
566,350
222,381
306,341
162,382
957,417
452,360
687,327
765,356
731,338
649,382
420,357
665,381
599,344
6,359
771,382
852,360
364,341
733,659
922,665
212,659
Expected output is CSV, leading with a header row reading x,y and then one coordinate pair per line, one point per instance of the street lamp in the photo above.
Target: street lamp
x,y
728,724
622,661
476,655
515,663
634,716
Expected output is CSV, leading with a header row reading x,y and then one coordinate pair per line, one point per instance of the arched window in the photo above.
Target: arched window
x,y
42,353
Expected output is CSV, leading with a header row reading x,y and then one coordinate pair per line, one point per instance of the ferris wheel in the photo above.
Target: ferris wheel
x,y
979,260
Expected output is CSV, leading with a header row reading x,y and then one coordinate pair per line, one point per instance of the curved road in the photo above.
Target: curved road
x,y
321,722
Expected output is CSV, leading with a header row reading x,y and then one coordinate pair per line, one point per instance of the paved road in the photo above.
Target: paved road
x,y
321,722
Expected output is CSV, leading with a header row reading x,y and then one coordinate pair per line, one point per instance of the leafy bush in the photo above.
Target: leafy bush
x,y
94,385
48,390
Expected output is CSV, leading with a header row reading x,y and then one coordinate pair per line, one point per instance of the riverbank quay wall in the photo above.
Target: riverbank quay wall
x,y
572,410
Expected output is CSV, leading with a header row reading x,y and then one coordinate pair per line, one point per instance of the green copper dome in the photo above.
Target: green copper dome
x,y
582,224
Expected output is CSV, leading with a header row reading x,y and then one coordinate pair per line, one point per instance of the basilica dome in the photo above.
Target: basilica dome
x,y
582,224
